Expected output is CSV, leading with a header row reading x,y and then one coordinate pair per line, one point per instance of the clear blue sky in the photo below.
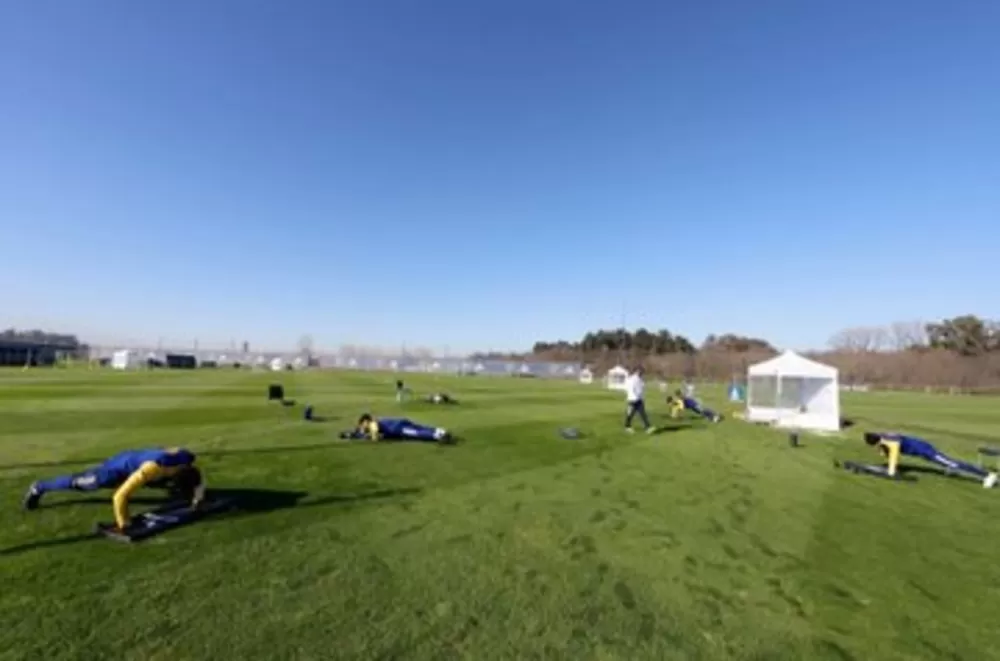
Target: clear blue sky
x,y
485,174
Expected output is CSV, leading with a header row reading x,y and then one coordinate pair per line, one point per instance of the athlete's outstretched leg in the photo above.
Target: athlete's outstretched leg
x,y
709,414
704,412
411,431
942,459
90,480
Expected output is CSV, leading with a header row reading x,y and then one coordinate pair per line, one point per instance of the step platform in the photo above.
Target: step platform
x,y
875,471
152,523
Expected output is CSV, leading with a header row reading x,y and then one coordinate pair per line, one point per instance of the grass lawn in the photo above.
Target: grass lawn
x,y
703,542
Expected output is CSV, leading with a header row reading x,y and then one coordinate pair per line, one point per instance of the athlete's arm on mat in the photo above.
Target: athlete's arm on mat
x,y
891,451
150,471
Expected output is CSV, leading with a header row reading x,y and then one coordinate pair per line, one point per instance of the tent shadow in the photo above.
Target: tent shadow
x,y
46,544
248,502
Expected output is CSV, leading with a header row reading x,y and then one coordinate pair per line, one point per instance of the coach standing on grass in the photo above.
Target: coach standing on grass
x,y
635,390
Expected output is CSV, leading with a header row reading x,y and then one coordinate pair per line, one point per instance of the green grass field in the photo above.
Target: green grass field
x,y
703,542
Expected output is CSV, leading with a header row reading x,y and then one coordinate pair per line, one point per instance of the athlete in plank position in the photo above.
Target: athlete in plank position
x,y
172,469
894,446
396,429
680,403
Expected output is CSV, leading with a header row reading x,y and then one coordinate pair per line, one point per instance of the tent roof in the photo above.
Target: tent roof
x,y
790,363
617,369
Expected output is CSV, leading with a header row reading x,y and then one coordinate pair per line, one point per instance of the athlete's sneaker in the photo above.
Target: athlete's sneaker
x,y
651,430
32,497
629,430
990,481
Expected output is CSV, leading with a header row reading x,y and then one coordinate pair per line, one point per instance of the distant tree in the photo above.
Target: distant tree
x,y
905,336
736,343
967,335
860,339
641,342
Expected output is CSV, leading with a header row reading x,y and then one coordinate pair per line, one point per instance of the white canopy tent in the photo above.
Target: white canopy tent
x,y
586,376
616,377
790,390
124,359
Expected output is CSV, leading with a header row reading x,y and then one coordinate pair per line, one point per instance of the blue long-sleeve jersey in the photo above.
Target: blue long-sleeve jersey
x,y
128,462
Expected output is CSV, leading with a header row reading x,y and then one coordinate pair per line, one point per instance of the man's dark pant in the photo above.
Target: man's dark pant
x,y
637,407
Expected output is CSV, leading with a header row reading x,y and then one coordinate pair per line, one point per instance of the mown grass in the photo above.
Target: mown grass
x,y
703,542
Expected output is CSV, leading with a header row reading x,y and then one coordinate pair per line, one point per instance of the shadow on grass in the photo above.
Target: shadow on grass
x,y
927,470
247,502
681,426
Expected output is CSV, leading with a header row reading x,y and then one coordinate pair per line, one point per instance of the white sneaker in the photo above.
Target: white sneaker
x,y
990,481
440,433
630,430
651,430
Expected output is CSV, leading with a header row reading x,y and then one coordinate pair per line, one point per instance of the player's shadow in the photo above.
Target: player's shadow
x,y
674,427
910,469
247,502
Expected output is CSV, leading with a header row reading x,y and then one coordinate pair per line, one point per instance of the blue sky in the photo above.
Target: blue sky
x,y
484,174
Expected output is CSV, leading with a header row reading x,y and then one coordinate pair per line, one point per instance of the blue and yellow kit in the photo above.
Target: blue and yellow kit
x,y
126,472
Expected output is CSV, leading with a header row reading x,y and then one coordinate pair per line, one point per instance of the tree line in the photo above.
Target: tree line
x,y
961,352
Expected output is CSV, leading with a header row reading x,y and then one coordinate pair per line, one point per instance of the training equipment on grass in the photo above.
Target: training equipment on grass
x,y
986,454
149,524
275,393
570,433
309,415
869,469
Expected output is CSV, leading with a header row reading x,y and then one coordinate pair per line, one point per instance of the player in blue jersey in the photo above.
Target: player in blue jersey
x,y
172,469
396,429
679,403
894,446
